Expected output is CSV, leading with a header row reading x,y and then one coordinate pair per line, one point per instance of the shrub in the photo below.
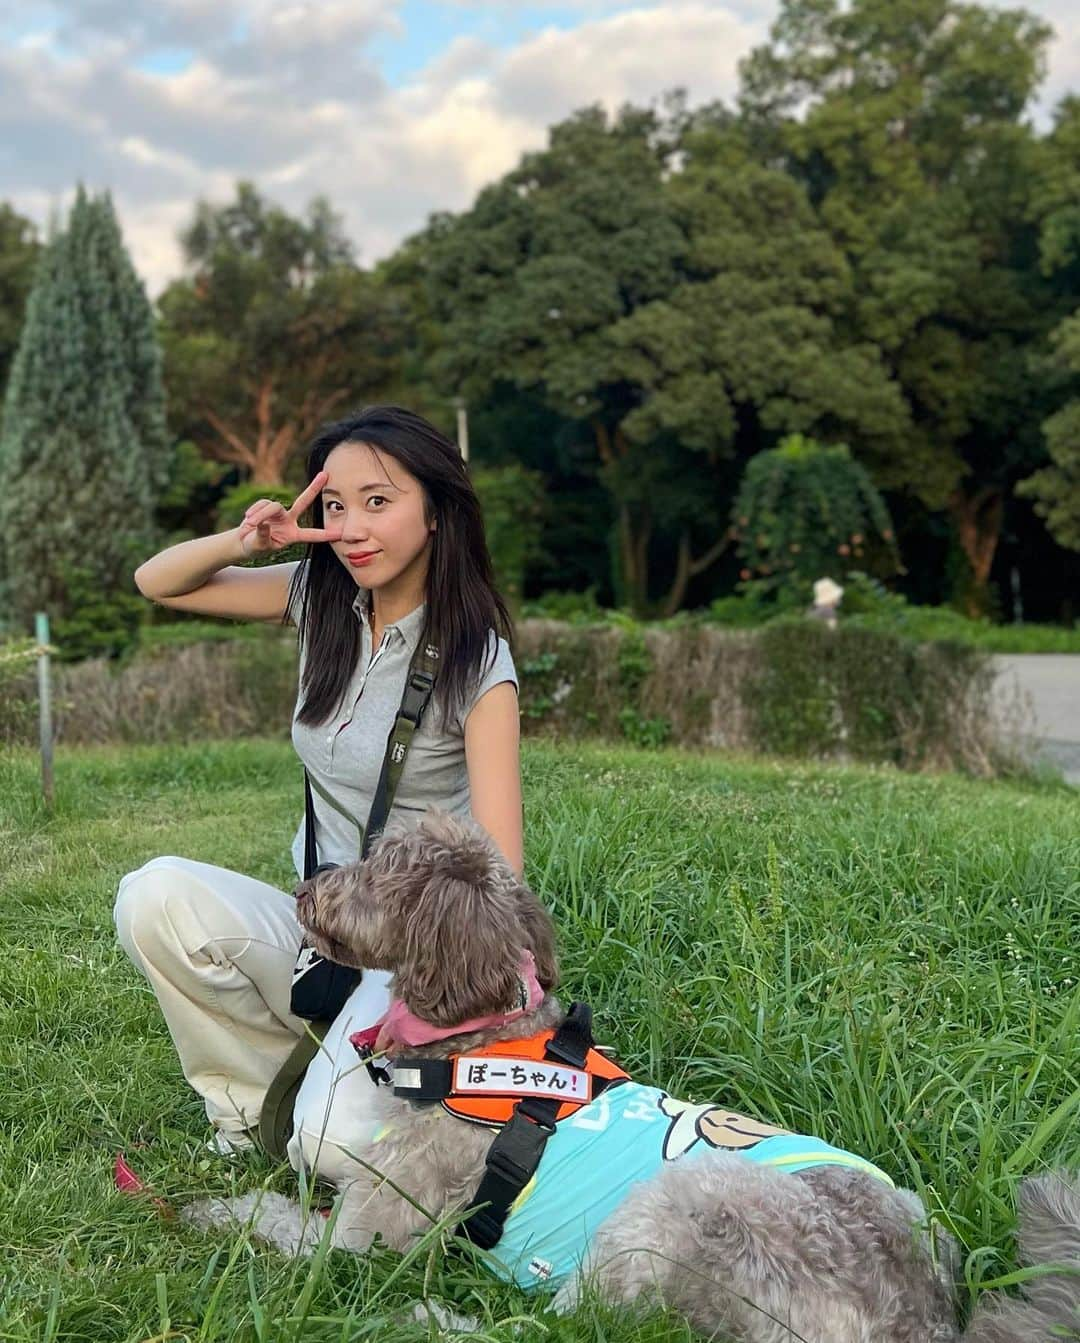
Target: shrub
x,y
95,622
805,511
184,633
577,608
238,688
18,690
792,688
869,695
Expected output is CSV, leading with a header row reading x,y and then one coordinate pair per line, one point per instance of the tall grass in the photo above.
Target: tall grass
x,y
889,961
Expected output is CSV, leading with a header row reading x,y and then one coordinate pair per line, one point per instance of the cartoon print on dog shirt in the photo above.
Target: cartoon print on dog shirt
x,y
713,1125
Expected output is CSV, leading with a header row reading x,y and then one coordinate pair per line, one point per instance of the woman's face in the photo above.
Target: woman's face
x,y
379,506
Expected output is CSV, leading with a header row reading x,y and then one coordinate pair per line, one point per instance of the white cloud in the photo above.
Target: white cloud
x,y
289,94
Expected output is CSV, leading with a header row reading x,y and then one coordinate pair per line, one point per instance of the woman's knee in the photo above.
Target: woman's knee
x,y
139,911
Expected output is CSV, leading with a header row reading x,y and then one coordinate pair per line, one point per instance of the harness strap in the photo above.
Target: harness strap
x,y
515,1154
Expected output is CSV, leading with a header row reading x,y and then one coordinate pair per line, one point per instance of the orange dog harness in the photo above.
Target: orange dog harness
x,y
485,1085
522,1088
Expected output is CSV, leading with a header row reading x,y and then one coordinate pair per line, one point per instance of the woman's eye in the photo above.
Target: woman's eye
x,y
330,505
376,499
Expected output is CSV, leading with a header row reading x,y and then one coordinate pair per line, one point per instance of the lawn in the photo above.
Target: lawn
x,y
891,961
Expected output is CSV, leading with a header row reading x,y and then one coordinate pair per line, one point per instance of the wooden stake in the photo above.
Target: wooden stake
x,y
41,630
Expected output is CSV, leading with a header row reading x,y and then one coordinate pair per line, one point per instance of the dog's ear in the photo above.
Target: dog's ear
x,y
539,937
462,940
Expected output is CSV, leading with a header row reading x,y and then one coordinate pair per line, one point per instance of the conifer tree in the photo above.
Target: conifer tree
x,y
84,449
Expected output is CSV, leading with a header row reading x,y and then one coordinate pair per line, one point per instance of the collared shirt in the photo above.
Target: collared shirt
x,y
344,755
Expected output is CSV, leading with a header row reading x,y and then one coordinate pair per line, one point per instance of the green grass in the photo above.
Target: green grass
x,y
890,961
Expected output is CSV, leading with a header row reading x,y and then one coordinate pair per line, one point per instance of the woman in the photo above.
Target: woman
x,y
396,559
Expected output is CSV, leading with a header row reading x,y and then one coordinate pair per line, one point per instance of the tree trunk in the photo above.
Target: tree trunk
x,y
266,452
633,529
687,568
977,519
634,534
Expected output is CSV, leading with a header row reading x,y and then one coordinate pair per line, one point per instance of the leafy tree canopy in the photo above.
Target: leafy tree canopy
x,y
274,330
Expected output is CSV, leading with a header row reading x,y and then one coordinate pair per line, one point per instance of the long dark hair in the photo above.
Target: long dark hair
x,y
463,605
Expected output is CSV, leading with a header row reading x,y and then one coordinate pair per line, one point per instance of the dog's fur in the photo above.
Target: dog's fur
x,y
829,1255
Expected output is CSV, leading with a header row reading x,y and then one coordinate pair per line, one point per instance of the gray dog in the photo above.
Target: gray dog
x,y
801,1243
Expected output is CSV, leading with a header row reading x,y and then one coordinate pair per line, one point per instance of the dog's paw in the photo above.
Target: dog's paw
x,y
209,1214
567,1299
272,1218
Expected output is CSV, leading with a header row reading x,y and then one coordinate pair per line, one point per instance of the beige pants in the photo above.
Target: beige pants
x,y
218,949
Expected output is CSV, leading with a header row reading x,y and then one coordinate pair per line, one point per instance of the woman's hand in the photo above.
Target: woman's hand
x,y
269,526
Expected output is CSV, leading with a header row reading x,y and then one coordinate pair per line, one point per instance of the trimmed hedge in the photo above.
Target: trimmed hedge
x,y
793,688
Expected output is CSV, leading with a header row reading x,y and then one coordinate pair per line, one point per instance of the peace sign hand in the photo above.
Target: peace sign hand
x,y
269,526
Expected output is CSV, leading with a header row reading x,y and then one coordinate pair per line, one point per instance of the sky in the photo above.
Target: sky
x,y
391,108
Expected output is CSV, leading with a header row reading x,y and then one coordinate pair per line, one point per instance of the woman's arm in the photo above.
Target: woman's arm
x,y
205,576
492,757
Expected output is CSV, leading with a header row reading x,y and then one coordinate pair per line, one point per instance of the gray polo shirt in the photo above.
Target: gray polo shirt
x,y
344,755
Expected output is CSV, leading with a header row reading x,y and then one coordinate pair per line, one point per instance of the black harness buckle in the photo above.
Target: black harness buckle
x,y
520,1145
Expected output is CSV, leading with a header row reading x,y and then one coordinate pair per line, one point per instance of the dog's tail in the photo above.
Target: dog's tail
x,y
1049,1233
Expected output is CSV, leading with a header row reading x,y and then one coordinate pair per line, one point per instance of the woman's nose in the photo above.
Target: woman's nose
x,y
355,527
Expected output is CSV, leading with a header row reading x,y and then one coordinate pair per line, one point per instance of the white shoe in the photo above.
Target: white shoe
x,y
229,1144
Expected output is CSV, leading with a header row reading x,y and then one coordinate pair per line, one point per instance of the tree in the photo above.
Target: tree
x,y
903,119
273,332
529,283
83,447
19,251
1055,488
752,343
807,511
683,315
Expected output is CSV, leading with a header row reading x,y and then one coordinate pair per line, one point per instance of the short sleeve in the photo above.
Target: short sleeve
x,y
498,666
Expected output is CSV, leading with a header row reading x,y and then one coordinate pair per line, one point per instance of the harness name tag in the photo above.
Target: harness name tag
x,y
495,1075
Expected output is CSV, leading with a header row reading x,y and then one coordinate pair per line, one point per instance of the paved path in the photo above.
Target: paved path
x,y
1051,682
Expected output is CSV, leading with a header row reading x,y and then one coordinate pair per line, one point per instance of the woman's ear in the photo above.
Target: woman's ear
x,y
462,946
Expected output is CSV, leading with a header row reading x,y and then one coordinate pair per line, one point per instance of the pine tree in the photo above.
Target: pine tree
x,y
84,448
19,250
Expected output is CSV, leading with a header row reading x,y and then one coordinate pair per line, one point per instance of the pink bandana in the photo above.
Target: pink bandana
x,y
399,1026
